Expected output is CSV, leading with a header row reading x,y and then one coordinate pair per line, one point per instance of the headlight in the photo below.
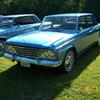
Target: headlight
x,y
10,49
47,54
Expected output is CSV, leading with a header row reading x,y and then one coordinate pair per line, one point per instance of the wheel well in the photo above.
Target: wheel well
x,y
3,39
74,50
70,49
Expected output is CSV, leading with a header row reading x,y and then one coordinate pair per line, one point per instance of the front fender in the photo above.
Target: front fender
x,y
62,51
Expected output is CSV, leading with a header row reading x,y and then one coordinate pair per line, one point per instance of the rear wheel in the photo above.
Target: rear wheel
x,y
69,61
2,46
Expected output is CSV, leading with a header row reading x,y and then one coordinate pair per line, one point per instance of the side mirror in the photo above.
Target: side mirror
x,y
16,24
82,25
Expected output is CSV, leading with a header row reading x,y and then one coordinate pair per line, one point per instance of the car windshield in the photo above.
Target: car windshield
x,y
6,22
59,23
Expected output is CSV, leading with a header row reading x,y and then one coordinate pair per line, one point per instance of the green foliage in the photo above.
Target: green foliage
x,y
47,7
93,6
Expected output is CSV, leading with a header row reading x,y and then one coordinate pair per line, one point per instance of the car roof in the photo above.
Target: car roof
x,y
19,15
70,14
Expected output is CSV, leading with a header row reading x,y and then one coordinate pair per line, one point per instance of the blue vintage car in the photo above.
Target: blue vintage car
x,y
13,25
60,39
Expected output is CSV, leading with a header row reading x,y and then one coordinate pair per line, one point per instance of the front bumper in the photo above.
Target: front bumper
x,y
33,61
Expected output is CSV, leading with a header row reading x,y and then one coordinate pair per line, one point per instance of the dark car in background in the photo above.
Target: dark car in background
x,y
13,25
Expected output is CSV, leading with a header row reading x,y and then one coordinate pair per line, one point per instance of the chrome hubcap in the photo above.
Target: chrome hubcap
x,y
69,61
1,47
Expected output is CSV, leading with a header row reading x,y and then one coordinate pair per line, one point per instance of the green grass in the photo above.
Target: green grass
x,y
82,83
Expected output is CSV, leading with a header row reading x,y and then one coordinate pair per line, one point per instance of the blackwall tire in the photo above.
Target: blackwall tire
x,y
2,47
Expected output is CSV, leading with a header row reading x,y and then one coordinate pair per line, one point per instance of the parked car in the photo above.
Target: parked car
x,y
13,25
60,39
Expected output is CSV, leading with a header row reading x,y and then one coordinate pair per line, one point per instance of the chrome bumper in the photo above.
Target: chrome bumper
x,y
33,61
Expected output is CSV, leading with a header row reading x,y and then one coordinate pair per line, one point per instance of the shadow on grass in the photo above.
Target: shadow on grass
x,y
1,55
19,83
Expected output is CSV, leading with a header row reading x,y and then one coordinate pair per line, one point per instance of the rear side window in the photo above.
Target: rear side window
x,y
25,20
89,20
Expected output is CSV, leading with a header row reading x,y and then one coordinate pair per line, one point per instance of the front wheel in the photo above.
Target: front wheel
x,y
1,46
69,61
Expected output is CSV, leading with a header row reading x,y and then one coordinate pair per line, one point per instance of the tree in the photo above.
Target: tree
x,y
93,7
47,7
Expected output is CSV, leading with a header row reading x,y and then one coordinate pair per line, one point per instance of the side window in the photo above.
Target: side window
x,y
82,23
24,20
36,19
89,20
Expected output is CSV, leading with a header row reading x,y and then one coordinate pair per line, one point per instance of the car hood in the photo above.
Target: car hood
x,y
38,38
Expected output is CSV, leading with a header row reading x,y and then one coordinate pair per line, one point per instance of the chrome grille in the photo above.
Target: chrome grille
x,y
24,51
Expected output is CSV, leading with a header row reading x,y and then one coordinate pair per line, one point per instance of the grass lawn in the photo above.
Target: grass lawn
x,y
82,83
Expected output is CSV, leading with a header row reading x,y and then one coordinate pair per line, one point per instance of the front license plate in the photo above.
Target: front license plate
x,y
25,64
